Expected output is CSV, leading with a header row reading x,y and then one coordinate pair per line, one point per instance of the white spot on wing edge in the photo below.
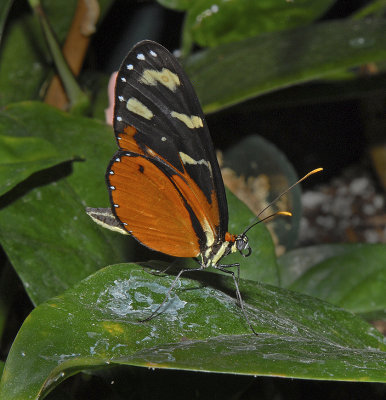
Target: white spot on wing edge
x,y
129,66
135,106
191,122
140,56
153,53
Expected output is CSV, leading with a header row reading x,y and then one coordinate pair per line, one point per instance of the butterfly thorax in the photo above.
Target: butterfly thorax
x,y
232,243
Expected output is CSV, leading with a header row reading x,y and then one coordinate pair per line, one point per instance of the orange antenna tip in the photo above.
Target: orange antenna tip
x,y
287,213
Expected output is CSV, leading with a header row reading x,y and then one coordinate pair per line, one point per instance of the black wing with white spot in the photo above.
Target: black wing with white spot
x,y
157,114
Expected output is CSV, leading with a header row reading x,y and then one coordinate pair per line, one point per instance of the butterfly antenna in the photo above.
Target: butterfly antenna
x,y
257,220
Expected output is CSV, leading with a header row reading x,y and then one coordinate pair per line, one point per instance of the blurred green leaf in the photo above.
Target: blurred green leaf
x,y
6,6
2,364
294,264
44,229
234,72
24,61
375,7
24,56
349,276
21,157
261,265
95,325
211,23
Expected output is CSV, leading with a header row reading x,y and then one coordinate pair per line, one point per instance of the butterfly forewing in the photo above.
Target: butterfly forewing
x,y
158,118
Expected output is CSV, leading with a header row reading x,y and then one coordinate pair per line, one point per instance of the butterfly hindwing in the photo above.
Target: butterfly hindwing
x,y
144,198
157,116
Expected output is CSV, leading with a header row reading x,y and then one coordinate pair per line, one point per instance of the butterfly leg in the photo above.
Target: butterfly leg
x,y
237,265
223,268
156,311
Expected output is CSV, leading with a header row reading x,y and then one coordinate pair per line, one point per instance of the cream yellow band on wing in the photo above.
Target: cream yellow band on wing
x,y
135,106
165,77
191,122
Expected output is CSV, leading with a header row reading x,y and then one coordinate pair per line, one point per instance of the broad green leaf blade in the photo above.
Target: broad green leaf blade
x,y
211,23
48,237
294,264
90,140
96,324
44,229
354,280
238,71
21,157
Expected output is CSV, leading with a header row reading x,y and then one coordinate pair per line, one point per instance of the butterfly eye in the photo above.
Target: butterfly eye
x,y
242,244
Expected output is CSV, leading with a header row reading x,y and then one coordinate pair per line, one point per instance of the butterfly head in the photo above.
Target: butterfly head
x,y
242,245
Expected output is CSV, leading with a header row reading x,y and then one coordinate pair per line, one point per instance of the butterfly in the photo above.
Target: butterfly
x,y
164,182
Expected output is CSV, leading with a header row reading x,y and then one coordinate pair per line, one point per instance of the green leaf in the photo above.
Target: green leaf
x,y
95,325
238,71
24,57
354,280
261,265
44,229
6,6
211,23
294,264
22,76
21,157
2,364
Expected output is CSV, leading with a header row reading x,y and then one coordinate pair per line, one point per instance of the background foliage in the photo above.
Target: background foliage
x,y
76,291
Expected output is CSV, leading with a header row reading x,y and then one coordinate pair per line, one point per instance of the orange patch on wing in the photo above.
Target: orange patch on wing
x,y
127,141
152,208
208,214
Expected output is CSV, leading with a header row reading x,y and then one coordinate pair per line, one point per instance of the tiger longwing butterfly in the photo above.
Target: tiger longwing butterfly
x,y
165,183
